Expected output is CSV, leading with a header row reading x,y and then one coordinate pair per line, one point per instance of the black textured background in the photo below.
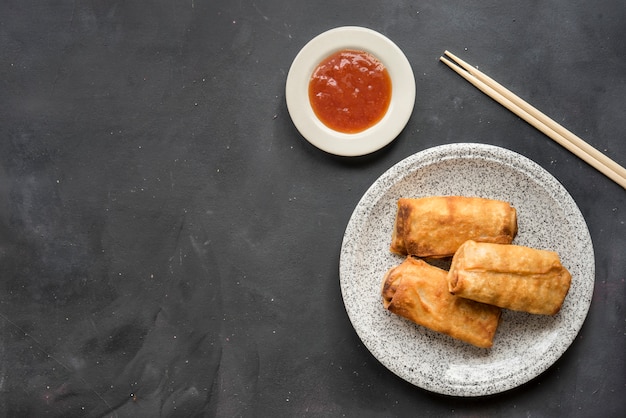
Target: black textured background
x,y
169,243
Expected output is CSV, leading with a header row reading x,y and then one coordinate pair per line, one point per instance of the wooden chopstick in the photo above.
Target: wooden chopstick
x,y
533,116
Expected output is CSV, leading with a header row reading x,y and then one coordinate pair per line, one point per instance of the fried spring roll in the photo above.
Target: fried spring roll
x,y
435,227
418,291
510,276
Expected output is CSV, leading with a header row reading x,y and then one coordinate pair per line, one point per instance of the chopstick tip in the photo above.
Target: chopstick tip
x,y
446,61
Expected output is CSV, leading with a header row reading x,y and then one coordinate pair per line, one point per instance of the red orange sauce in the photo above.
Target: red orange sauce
x,y
350,91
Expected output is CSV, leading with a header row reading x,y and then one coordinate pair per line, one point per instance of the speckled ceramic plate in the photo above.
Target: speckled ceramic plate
x,y
525,345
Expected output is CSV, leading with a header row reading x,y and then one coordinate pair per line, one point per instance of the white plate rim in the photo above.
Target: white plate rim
x,y
373,138
364,318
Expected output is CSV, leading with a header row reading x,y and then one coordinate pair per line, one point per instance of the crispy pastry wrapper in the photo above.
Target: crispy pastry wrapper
x,y
510,276
418,291
436,226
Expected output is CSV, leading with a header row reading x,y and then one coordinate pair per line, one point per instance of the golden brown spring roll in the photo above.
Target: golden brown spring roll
x,y
418,291
435,227
510,276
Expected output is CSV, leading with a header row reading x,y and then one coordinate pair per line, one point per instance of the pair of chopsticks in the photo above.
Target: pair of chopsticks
x,y
558,133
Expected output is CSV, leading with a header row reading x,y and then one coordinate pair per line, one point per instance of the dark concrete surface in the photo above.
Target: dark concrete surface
x,y
169,243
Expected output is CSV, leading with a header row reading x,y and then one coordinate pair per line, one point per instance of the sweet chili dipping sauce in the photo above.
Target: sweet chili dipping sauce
x,y
350,91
